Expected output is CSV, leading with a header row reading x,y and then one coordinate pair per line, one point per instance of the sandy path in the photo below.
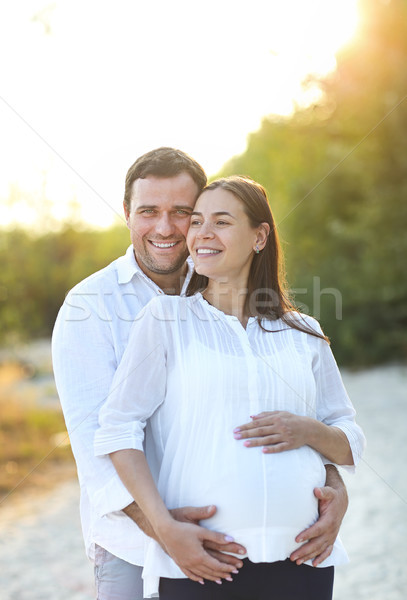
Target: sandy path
x,y
42,556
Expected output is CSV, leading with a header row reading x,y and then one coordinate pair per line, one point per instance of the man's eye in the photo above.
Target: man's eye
x,y
147,211
182,212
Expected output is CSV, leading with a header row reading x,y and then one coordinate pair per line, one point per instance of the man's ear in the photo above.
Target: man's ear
x,y
126,214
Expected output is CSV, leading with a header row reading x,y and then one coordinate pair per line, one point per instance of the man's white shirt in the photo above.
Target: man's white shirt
x,y
89,339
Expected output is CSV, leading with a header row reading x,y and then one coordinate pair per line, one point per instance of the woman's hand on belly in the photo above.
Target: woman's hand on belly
x,y
277,431
185,542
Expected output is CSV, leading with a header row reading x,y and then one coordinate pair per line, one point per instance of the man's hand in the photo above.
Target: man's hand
x,y
320,537
184,542
277,431
191,514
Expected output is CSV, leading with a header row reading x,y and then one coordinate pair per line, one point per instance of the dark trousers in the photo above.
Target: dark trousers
x,y
282,580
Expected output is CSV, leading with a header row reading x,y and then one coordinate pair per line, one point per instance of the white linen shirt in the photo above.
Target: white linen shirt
x,y
88,342
198,374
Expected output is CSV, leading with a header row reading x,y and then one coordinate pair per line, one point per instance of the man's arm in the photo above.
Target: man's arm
x,y
320,537
84,361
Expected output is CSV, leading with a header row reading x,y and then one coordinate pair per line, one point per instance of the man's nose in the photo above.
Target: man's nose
x,y
165,225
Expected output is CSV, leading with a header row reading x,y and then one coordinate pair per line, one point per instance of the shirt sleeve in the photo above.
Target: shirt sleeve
x,y
138,386
84,362
333,405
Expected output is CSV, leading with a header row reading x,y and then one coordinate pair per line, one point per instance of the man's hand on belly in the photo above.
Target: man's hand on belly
x,y
320,537
192,514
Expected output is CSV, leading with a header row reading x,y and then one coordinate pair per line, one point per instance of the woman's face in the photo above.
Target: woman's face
x,y
221,240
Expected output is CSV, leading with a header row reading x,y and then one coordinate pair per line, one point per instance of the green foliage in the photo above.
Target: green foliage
x,y
37,272
337,180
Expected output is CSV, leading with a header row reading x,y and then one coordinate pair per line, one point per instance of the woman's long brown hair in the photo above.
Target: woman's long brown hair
x,y
267,295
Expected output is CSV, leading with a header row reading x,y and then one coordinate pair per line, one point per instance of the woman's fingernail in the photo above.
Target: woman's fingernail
x,y
246,443
228,538
219,581
201,582
241,552
228,579
237,436
236,572
236,430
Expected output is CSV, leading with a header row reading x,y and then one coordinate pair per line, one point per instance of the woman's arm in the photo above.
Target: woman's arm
x,y
182,541
333,432
278,431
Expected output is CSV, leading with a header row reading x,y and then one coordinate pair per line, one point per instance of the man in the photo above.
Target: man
x,y
89,339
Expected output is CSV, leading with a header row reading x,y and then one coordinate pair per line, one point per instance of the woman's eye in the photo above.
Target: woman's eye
x,y
195,222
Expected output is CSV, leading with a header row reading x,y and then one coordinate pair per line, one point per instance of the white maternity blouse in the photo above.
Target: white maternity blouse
x,y
195,374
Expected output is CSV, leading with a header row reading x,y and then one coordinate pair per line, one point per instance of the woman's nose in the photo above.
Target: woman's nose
x,y
205,231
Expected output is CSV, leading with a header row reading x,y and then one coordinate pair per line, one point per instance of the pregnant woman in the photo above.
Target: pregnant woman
x,y
195,367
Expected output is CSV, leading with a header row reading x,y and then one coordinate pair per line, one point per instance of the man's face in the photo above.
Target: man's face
x,y
158,220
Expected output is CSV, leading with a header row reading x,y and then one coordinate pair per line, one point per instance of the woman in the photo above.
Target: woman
x,y
196,366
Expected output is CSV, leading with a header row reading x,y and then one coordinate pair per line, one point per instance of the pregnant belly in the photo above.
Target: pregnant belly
x,y
251,490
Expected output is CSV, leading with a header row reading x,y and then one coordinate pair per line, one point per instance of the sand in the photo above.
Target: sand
x,y
42,555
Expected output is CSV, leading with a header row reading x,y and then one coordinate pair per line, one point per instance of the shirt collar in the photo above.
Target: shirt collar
x,y
127,267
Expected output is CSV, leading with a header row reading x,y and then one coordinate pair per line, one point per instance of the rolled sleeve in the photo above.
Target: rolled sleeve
x,y
112,497
110,438
334,407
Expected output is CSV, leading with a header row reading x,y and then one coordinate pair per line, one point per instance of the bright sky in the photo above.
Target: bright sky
x,y
89,85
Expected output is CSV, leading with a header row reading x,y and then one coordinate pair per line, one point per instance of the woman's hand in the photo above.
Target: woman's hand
x,y
184,542
277,431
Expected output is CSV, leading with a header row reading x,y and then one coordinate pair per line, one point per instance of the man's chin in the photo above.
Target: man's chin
x,y
163,268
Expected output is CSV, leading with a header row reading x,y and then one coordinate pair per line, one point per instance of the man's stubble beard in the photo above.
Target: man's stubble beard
x,y
154,266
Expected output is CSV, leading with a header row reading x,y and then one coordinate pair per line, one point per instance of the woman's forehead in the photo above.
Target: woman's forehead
x,y
217,200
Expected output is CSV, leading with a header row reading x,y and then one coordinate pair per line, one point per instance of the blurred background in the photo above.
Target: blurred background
x,y
308,97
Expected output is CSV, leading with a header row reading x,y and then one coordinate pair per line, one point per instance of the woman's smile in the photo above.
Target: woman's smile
x,y
220,237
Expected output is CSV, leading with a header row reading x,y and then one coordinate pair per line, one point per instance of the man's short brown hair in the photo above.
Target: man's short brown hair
x,y
163,162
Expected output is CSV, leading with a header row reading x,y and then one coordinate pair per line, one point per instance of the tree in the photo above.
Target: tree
x,y
337,182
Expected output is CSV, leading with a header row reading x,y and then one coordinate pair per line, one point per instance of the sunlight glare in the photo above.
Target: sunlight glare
x,y
169,77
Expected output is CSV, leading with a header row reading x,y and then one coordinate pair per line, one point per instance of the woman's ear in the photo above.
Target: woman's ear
x,y
263,232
